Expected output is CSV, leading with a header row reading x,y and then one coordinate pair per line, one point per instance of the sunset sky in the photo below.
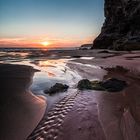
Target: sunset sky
x,y
49,23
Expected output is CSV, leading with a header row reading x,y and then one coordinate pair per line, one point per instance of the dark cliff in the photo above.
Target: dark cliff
x,y
121,29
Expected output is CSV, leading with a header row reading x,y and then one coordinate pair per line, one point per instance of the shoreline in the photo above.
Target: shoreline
x,y
96,114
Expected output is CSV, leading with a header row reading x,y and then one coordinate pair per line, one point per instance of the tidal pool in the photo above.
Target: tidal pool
x,y
51,70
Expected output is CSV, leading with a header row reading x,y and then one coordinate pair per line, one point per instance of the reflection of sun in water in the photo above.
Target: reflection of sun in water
x,y
45,43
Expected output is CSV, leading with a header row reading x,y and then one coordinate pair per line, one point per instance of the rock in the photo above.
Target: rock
x,y
121,29
104,51
127,44
85,47
113,85
84,84
58,87
97,85
110,85
76,56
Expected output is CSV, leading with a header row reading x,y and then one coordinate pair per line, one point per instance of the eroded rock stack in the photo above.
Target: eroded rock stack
x,y
121,29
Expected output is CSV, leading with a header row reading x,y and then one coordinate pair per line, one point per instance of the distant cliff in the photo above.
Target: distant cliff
x,y
121,29
85,47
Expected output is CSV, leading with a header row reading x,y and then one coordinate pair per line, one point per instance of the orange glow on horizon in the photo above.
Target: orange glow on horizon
x,y
45,43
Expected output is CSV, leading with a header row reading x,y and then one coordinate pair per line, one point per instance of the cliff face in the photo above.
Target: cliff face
x,y
121,29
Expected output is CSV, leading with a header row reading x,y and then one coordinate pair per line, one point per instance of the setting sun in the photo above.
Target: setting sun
x,y
45,43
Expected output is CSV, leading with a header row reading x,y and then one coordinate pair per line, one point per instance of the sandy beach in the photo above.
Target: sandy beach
x,y
70,70
84,115
20,110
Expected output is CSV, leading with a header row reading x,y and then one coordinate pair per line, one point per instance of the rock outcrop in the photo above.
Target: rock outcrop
x,y
58,87
121,29
110,85
85,47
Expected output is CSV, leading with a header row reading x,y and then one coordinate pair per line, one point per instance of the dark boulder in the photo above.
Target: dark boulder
x,y
113,85
58,87
84,84
110,85
97,85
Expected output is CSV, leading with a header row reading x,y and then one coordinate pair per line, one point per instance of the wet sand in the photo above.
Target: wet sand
x,y
96,115
20,110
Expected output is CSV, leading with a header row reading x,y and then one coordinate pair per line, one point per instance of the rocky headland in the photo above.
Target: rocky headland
x,y
121,29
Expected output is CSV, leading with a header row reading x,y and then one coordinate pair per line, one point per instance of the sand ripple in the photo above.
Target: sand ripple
x,y
50,126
